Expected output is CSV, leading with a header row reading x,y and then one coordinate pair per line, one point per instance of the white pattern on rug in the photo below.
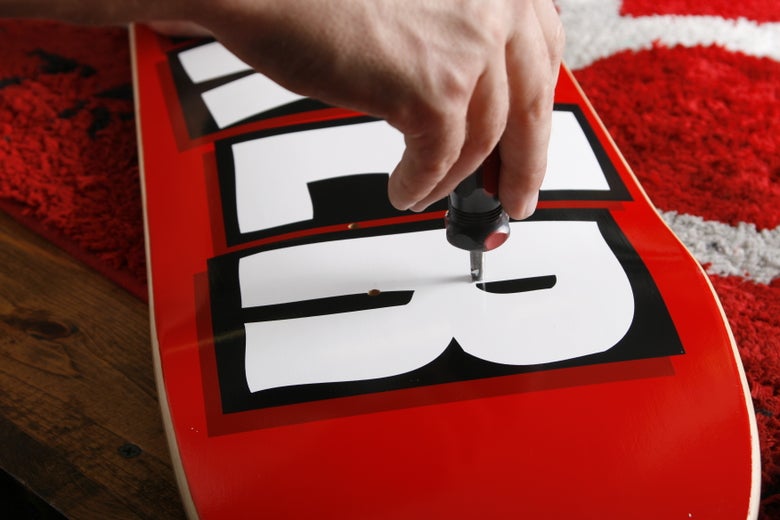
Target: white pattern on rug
x,y
740,250
595,30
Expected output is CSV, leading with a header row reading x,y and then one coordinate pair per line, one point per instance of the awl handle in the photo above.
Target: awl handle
x,y
475,219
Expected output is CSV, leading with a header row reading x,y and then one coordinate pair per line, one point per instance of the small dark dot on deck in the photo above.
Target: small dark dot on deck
x,y
129,451
374,292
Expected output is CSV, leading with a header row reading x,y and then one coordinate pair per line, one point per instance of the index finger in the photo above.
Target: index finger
x,y
428,157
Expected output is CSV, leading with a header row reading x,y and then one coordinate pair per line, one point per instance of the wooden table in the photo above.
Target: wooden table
x,y
80,425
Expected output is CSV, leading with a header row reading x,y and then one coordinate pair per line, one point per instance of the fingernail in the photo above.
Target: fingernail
x,y
419,207
399,205
530,206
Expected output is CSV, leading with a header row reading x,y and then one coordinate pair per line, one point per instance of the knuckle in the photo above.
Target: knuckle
x,y
492,23
539,106
455,84
411,185
431,155
482,143
420,121
438,162
485,18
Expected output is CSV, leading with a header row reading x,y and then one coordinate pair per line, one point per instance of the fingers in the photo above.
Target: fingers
x,y
511,99
485,121
428,157
533,59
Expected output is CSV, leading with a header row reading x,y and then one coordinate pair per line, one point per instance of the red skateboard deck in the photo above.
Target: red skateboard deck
x,y
320,354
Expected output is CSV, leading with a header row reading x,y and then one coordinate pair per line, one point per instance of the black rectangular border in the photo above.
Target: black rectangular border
x,y
374,203
651,334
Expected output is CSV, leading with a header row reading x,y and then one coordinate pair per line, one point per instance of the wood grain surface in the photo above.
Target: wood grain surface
x,y
80,423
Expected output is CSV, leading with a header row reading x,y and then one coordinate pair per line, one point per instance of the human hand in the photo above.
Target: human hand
x,y
454,76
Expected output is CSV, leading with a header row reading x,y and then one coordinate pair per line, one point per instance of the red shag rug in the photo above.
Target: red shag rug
x,y
688,89
68,157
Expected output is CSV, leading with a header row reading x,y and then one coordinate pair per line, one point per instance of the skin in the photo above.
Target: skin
x,y
456,77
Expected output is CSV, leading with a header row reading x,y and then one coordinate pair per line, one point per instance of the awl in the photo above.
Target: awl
x,y
475,220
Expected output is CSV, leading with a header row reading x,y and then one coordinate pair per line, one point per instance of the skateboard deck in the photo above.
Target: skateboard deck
x,y
320,354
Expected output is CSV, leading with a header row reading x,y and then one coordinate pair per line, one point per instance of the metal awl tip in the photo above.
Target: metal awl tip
x,y
476,265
